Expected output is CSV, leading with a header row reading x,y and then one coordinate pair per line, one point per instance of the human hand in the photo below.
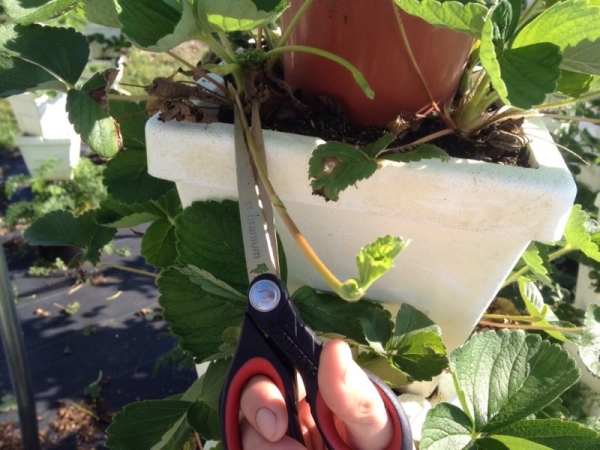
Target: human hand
x,y
360,414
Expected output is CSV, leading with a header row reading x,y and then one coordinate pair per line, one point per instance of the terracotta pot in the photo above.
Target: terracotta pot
x,y
366,33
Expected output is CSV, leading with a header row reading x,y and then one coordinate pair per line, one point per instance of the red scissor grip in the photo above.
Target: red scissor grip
x,y
329,431
254,366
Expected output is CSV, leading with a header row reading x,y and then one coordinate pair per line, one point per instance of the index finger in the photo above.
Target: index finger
x,y
353,398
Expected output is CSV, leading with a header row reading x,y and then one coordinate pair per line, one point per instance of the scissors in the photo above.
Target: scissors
x,y
274,340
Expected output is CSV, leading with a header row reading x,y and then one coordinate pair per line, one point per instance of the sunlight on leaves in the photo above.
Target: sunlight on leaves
x,y
27,13
376,258
589,346
534,303
463,17
577,233
505,376
447,427
536,258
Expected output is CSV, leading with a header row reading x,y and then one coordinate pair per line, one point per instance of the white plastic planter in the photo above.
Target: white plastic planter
x,y
46,133
468,221
64,153
42,116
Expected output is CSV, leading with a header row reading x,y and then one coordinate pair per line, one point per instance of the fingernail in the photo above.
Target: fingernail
x,y
266,422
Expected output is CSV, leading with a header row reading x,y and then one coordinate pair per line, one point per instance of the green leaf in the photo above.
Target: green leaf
x,y
102,12
72,308
417,345
466,17
555,410
425,151
159,244
127,179
383,367
447,427
39,11
96,237
522,76
537,262
204,420
210,283
142,425
199,318
213,382
93,123
507,443
237,15
18,76
583,58
530,73
506,376
504,20
373,149
334,166
421,355
573,26
209,237
377,329
589,345
62,228
115,214
330,314
376,258
157,25
203,416
35,57
574,84
132,118
410,320
577,233
56,228
534,302
551,433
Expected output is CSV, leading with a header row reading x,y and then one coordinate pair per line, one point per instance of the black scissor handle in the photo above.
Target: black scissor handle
x,y
291,346
254,356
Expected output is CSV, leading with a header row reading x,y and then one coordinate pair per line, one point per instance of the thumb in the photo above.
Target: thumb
x,y
352,397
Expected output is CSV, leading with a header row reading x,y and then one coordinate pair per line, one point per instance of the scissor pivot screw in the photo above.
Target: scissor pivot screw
x,y
264,295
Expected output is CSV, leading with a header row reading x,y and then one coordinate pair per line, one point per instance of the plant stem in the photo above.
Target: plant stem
x,y
358,77
226,44
531,327
564,117
535,6
132,98
294,22
180,59
84,410
429,137
470,118
411,56
301,241
445,118
551,257
128,269
216,47
512,318
563,103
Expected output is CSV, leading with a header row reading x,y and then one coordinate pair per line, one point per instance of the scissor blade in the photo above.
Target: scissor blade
x,y
258,250
262,192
